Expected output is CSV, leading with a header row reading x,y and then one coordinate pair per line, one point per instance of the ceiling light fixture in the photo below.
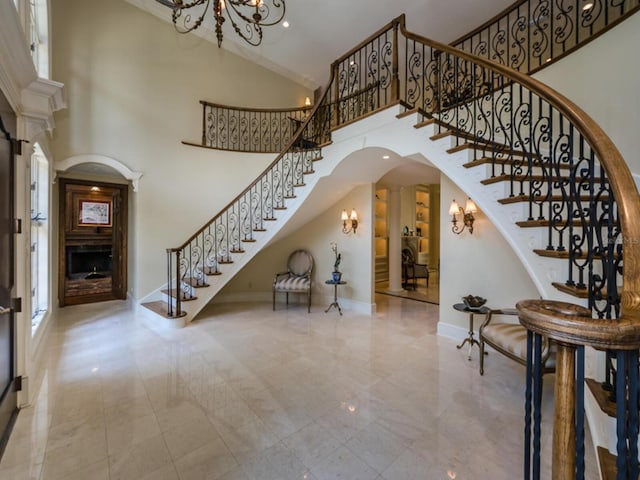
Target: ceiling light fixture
x,y
247,17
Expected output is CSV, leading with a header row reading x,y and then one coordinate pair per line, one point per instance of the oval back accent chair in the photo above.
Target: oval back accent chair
x,y
297,278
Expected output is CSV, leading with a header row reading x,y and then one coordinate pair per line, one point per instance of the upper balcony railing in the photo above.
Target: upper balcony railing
x,y
532,33
258,130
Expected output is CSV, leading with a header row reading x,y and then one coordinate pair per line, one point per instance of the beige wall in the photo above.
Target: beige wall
x,y
316,236
133,87
481,263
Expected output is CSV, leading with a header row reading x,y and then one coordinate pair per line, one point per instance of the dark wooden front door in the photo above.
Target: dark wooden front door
x,y
8,397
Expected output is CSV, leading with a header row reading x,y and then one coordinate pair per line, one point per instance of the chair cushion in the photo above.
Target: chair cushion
x,y
292,283
512,338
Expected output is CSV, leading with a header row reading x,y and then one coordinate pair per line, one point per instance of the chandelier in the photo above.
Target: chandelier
x,y
247,17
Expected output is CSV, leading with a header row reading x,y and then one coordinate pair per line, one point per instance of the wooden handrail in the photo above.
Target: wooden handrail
x,y
304,108
619,175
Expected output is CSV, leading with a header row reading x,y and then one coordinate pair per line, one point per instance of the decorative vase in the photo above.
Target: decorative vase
x,y
336,276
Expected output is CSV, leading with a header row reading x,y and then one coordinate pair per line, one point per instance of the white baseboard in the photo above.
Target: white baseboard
x,y
454,332
317,301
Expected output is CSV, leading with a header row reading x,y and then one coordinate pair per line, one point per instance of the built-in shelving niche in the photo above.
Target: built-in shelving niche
x,y
92,256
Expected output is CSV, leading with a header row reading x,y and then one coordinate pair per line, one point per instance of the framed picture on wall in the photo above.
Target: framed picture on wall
x,y
94,213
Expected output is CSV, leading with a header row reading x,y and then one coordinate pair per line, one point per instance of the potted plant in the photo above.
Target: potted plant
x,y
336,275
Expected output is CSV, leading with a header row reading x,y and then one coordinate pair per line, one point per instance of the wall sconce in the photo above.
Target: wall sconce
x,y
466,214
346,218
307,102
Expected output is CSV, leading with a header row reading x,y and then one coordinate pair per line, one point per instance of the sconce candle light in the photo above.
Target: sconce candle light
x,y
466,215
353,218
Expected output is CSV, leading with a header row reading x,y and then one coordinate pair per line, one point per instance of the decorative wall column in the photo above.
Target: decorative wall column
x,y
395,244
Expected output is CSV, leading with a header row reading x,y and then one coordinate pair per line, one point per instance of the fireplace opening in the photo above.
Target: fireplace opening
x,y
89,262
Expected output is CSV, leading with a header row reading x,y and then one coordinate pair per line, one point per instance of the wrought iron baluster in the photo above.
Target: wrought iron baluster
x,y
537,404
528,407
580,451
621,416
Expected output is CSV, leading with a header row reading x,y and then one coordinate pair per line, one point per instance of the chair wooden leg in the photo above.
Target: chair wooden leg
x,y
481,357
287,299
274,300
309,302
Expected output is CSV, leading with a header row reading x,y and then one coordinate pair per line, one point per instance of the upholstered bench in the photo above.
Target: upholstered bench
x,y
510,339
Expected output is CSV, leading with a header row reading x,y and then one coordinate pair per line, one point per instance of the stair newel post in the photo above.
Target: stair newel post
x,y
204,123
564,430
169,282
395,82
178,312
580,450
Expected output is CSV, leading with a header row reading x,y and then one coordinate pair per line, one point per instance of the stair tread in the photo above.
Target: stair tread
x,y
607,461
564,254
487,147
542,198
562,223
608,464
159,307
602,397
571,290
408,112
505,161
526,178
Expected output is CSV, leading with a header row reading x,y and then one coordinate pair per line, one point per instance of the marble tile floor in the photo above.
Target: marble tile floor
x,y
245,393
430,294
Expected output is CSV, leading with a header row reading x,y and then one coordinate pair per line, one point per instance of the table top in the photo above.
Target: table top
x,y
461,307
331,282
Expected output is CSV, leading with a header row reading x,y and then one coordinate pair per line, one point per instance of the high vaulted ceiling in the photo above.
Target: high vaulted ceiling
x,y
320,32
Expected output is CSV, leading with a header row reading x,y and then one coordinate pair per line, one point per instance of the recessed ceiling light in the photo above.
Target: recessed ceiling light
x,y
385,157
587,6
286,24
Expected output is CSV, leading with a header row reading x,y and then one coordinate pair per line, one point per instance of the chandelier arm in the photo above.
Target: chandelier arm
x,y
264,11
186,23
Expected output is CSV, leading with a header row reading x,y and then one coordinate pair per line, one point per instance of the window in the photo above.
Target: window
x,y
39,237
39,36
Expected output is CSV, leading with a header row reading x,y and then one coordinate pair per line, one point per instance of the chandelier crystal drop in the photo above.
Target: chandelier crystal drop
x,y
247,17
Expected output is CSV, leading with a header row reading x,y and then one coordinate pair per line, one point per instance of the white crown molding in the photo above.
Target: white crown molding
x,y
121,168
38,102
